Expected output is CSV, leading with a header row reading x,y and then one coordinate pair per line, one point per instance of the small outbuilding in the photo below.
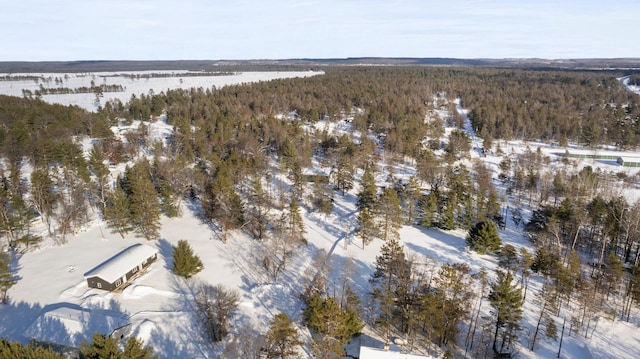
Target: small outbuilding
x,y
387,353
628,161
118,270
64,326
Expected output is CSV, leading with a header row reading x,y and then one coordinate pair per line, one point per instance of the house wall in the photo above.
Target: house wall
x,y
93,281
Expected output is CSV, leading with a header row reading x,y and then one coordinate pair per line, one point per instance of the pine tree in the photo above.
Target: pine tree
x,y
43,196
9,350
429,206
100,170
101,347
508,258
452,296
326,317
548,306
185,262
344,173
117,212
390,282
145,209
326,347
322,197
258,213
484,237
448,218
295,224
6,277
282,338
367,201
134,349
410,196
221,202
506,300
390,214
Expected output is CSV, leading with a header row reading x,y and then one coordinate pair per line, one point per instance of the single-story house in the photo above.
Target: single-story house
x,y
64,326
116,271
387,353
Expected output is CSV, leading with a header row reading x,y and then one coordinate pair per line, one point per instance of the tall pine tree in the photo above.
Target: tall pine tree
x,y
367,201
282,338
6,277
506,300
390,282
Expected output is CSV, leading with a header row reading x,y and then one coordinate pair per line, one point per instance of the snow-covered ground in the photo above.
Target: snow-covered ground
x,y
159,304
133,82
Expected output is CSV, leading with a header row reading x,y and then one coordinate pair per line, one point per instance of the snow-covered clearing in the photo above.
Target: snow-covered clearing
x,y
159,305
133,83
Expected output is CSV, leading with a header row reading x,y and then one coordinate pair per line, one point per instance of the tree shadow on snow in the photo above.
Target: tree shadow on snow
x,y
166,251
185,340
447,248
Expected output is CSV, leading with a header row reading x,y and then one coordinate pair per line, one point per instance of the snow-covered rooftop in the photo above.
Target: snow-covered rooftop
x,y
70,326
374,353
118,265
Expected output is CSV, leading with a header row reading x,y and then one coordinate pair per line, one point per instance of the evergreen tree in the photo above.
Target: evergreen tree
x,y
508,258
526,261
429,206
282,338
368,195
367,202
448,217
451,297
11,350
43,197
484,237
322,197
343,174
117,212
258,213
134,349
326,347
221,202
6,277
144,205
548,307
295,224
409,197
185,262
390,214
506,300
101,347
326,317
390,282
100,170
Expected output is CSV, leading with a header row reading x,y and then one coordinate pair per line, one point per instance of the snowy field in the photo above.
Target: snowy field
x,y
133,83
159,304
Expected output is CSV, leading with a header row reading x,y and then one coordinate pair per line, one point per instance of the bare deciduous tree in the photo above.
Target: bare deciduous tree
x,y
214,307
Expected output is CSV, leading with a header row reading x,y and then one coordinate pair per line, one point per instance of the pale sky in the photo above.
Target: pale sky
x,y
63,30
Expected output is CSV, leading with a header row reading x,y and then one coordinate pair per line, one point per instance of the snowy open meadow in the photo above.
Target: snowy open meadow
x,y
159,304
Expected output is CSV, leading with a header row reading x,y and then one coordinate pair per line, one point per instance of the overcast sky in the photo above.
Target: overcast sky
x,y
41,30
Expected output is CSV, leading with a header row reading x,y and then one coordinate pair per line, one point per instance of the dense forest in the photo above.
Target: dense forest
x,y
226,141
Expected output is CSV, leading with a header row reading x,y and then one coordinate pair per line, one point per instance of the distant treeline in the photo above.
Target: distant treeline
x,y
176,74
66,90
